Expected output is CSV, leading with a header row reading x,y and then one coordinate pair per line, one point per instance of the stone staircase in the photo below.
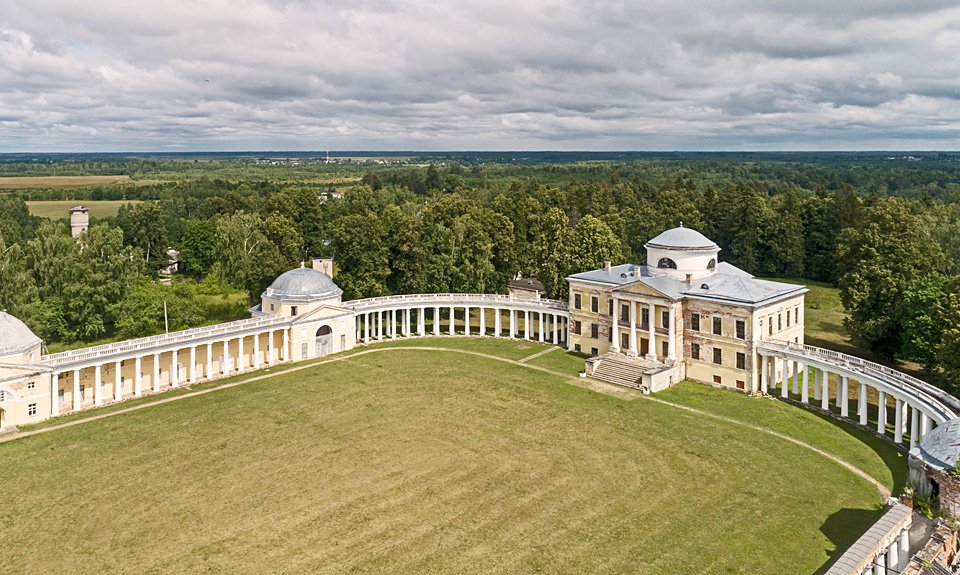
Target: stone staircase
x,y
620,370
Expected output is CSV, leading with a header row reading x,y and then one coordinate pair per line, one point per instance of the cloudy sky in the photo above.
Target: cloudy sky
x,y
165,75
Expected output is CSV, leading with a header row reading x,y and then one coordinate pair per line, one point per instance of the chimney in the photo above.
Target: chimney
x,y
324,265
607,265
636,271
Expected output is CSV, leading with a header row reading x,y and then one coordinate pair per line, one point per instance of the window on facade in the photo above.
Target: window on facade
x,y
717,379
625,312
796,314
695,350
645,318
594,351
717,355
31,385
293,310
576,347
576,327
779,321
664,349
32,409
741,384
665,319
712,264
594,304
741,329
770,325
667,263
594,330
577,299
695,322
788,319
717,326
610,312
271,307
741,360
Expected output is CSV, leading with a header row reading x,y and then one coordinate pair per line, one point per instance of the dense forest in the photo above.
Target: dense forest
x,y
885,230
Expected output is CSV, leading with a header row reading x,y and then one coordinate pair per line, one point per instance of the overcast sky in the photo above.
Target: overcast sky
x,y
164,75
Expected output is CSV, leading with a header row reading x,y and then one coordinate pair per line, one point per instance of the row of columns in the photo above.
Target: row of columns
x,y
894,559
651,330
904,412
543,326
173,370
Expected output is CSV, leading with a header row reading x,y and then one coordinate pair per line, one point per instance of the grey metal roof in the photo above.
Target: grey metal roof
x,y
15,336
302,285
682,238
728,283
941,447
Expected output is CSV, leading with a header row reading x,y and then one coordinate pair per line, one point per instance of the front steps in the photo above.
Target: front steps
x,y
635,373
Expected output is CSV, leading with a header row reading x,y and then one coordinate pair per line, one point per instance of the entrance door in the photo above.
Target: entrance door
x,y
324,341
644,346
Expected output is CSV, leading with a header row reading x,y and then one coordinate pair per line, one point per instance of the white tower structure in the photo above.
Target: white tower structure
x,y
79,220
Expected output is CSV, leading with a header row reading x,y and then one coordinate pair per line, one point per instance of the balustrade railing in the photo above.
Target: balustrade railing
x,y
455,298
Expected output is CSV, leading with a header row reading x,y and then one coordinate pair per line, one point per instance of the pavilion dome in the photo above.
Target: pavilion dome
x,y
681,238
303,285
941,447
15,337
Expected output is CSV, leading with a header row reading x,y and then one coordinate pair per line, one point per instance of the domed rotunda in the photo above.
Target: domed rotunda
x,y
298,291
681,253
17,342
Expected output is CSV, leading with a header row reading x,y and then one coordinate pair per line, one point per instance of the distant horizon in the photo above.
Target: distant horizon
x,y
322,152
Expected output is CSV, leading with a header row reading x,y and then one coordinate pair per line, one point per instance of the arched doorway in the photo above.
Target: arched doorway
x,y
324,341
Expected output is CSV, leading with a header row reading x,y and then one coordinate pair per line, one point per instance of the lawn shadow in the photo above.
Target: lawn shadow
x,y
843,528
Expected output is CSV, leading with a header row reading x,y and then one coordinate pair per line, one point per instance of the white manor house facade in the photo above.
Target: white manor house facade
x,y
683,315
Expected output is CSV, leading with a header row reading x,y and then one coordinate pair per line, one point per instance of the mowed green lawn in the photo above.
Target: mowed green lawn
x,y
408,461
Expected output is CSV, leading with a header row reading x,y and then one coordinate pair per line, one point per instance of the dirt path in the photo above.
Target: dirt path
x,y
587,383
538,354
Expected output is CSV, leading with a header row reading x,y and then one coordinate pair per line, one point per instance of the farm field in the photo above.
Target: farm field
x,y
56,182
415,461
57,209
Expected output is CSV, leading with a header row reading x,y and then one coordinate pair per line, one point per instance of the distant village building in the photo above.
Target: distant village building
x,y
174,264
79,220
531,288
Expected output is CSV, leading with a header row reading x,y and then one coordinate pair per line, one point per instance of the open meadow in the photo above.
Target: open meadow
x,y
57,182
60,209
399,460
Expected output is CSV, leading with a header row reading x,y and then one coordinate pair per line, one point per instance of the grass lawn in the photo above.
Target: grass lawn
x,y
60,209
409,461
56,182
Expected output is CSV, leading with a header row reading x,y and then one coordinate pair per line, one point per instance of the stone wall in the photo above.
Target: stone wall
x,y
940,550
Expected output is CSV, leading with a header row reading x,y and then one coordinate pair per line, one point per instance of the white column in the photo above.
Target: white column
x,y
764,373
880,565
256,351
225,364
825,389
796,377
138,376
483,321
914,426
453,323
406,322
785,384
632,351
54,394
466,321
286,345
671,335
270,352
526,325
615,340
117,382
436,321
209,369
816,383
174,371
893,555
652,333
192,371
497,327
513,323
556,320
540,333
862,404
805,387
97,386
838,400
380,325
898,422
241,363
904,544
926,424
366,327
845,390
76,389
156,372
422,322
393,324
882,413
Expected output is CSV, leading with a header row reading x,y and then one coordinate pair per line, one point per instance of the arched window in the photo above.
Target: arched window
x,y
667,263
324,330
712,265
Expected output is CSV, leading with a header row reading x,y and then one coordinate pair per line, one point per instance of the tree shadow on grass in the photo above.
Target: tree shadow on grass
x,y
843,528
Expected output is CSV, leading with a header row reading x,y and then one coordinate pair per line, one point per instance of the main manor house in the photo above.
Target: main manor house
x,y
683,315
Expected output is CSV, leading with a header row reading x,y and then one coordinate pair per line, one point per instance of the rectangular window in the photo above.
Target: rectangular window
x,y
717,326
741,360
664,349
32,409
594,351
770,325
695,350
610,313
645,318
788,319
625,312
576,327
779,321
665,319
293,310
741,329
31,385
717,355
695,322
594,330
576,347
271,307
594,304
577,299
717,379
741,384
796,314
